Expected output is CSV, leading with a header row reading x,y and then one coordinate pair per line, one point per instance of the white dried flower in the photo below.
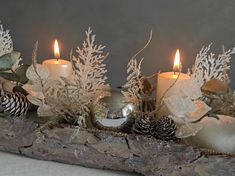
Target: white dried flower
x,y
188,88
179,107
40,71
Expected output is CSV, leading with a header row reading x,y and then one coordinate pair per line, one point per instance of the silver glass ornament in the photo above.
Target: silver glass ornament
x,y
116,108
116,111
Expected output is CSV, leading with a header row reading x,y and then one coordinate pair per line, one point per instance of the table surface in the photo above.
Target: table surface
x,y
15,165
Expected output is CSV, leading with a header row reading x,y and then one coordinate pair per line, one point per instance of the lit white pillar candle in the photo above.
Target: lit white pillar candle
x,y
166,79
58,67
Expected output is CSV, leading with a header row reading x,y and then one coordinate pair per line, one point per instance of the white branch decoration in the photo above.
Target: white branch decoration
x,y
208,67
132,86
6,44
89,72
71,99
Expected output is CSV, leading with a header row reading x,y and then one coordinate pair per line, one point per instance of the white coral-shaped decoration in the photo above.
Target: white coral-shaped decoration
x,y
6,44
73,99
207,66
89,71
132,88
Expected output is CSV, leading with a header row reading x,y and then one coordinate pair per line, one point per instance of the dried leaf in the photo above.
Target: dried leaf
x,y
187,130
215,86
34,100
179,106
8,86
45,111
40,71
190,88
34,55
201,109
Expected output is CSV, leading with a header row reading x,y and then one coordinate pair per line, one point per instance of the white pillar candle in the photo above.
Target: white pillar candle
x,y
58,67
166,79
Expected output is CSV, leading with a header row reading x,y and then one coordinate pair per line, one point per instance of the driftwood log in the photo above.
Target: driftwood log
x,y
106,150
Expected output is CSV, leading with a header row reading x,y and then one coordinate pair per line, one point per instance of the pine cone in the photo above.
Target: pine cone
x,y
143,124
14,105
164,129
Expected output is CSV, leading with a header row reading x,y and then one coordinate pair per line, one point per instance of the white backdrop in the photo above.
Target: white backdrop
x,y
15,165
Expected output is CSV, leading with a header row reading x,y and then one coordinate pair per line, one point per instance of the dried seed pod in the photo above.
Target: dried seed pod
x,y
215,86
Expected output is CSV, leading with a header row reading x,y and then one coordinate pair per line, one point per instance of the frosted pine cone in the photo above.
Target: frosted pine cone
x,y
143,124
164,129
14,105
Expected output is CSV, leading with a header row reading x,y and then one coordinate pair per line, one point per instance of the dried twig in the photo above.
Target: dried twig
x,y
134,80
145,46
34,63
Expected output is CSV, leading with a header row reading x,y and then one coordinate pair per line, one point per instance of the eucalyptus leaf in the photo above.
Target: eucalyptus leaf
x,y
9,76
8,60
19,75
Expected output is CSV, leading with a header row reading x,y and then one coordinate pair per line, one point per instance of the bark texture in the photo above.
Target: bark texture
x,y
107,150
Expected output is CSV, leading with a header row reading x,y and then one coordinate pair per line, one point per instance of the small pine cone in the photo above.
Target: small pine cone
x,y
143,124
14,105
164,129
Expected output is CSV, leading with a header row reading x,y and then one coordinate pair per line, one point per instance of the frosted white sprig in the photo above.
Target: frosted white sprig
x,y
207,66
89,72
71,99
6,44
132,86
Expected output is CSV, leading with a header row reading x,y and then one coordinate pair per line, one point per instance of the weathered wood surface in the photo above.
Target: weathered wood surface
x,y
139,154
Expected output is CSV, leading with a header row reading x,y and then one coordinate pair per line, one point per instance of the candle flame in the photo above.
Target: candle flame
x,y
177,63
56,50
